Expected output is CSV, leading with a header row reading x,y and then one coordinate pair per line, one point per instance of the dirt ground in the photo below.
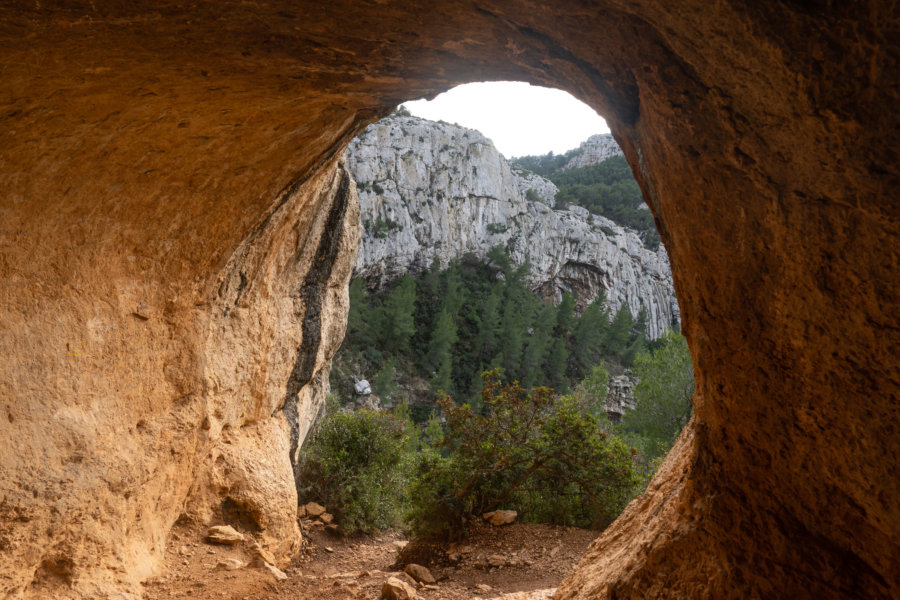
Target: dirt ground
x,y
514,562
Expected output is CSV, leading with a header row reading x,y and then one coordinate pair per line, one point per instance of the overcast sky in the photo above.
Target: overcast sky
x,y
520,119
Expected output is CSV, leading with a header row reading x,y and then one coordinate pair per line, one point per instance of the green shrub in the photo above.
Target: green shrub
x,y
664,395
357,465
532,452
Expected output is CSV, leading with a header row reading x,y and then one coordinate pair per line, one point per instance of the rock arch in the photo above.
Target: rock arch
x,y
176,234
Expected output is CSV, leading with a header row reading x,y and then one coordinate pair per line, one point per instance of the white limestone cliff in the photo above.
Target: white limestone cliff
x,y
431,189
593,150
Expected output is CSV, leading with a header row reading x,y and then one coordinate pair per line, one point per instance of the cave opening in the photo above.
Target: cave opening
x,y
153,152
544,267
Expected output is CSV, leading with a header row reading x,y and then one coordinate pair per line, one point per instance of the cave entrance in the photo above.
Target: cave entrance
x,y
545,266
169,171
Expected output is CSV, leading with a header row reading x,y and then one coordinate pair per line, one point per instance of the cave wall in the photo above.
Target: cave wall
x,y
176,235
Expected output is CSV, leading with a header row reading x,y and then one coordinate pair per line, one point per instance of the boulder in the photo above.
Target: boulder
x,y
314,509
394,589
362,387
419,573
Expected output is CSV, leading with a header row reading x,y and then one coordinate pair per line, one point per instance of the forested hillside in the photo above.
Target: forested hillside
x,y
445,327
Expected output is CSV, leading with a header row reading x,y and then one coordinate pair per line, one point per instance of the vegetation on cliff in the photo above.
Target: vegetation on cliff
x,y
607,188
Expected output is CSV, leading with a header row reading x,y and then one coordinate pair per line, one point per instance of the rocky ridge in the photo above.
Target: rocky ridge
x,y
430,189
594,150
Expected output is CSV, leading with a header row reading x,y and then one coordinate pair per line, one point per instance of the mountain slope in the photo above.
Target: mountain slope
x,y
431,189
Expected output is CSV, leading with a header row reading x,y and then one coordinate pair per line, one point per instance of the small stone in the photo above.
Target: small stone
x,y
394,589
229,564
261,555
329,549
400,544
301,512
483,587
496,560
500,517
332,528
326,518
419,573
276,572
313,509
224,534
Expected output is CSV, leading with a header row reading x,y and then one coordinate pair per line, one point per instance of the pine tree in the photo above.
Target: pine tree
x,y
538,346
556,366
589,336
618,336
440,358
565,316
397,325
489,328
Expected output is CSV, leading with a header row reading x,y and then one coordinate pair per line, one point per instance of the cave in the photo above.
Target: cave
x,y
177,232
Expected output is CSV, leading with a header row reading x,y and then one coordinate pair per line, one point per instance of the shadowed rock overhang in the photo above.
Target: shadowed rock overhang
x,y
167,172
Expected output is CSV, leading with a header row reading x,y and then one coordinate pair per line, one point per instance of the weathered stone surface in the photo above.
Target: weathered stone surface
x,y
594,150
395,589
429,189
419,573
224,534
229,564
175,240
277,573
619,397
314,509
500,517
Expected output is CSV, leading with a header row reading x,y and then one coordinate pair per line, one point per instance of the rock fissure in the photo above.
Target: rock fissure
x,y
311,294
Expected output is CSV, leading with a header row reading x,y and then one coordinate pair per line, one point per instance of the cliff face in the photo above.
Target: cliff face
x,y
429,189
593,150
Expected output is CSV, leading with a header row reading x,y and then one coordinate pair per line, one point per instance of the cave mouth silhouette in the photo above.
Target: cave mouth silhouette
x,y
172,193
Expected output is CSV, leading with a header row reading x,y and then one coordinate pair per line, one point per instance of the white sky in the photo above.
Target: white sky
x,y
519,118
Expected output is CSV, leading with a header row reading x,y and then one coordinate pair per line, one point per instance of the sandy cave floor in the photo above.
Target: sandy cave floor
x,y
330,567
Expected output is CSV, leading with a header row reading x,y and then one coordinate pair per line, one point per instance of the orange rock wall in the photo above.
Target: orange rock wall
x,y
175,237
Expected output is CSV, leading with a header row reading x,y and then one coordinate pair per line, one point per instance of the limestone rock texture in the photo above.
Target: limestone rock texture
x,y
595,149
176,236
433,190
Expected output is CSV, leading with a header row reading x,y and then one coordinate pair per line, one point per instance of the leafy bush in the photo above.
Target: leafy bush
x,y
532,452
663,397
357,466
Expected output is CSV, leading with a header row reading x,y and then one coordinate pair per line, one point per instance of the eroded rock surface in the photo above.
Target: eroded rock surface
x,y
594,150
432,190
167,179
